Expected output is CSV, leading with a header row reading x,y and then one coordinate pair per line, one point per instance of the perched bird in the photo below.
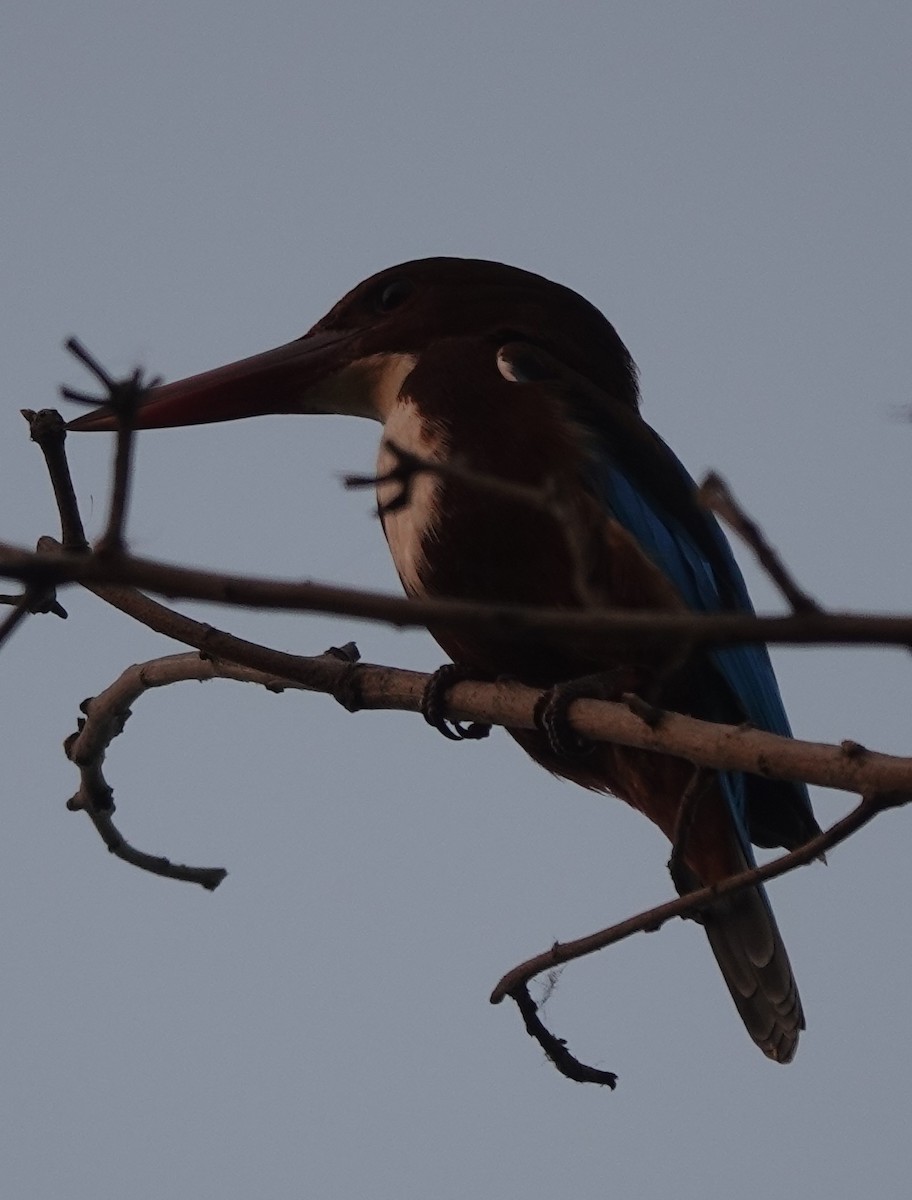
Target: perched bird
x,y
520,379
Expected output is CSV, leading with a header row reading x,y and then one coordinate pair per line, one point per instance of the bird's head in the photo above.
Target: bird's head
x,y
381,329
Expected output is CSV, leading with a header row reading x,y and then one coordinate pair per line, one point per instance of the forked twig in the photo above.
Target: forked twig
x,y
548,499
124,396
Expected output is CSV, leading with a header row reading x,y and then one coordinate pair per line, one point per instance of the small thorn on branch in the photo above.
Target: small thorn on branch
x,y
853,749
348,653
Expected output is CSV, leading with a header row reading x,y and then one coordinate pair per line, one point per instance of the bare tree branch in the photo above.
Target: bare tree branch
x,y
48,431
105,717
549,500
884,781
694,902
515,983
556,1048
22,606
123,398
848,767
55,567
716,495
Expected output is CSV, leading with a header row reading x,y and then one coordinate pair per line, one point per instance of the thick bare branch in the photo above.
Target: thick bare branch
x,y
848,767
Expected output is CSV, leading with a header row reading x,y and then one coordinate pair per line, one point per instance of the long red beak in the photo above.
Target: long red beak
x,y
314,374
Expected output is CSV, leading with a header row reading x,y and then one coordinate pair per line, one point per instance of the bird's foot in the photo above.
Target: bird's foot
x,y
433,705
552,708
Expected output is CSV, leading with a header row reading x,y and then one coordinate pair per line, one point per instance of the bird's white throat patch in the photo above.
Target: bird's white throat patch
x,y
386,374
412,526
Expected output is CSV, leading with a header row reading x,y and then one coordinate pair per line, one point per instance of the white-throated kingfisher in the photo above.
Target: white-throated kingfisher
x,y
522,379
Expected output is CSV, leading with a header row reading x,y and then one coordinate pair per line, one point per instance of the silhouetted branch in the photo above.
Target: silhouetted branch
x,y
56,567
22,606
123,398
556,1048
515,983
549,500
104,718
715,494
48,431
685,906
829,628
883,780
722,747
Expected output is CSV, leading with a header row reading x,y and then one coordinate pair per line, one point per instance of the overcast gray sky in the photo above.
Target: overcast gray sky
x,y
184,183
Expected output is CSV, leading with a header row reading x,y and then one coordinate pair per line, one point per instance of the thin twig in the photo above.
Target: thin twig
x,y
37,602
105,717
515,983
48,431
618,626
123,399
716,495
694,902
14,619
548,499
556,1048
408,465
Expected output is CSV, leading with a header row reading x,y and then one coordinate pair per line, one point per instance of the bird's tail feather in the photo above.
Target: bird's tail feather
x,y
750,952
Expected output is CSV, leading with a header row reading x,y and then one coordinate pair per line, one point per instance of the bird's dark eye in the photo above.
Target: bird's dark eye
x,y
391,295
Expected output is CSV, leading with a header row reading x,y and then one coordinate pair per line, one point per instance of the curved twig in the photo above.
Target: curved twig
x,y
556,1048
104,718
685,906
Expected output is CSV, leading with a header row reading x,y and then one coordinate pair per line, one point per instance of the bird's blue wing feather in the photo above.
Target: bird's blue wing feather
x,y
745,668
